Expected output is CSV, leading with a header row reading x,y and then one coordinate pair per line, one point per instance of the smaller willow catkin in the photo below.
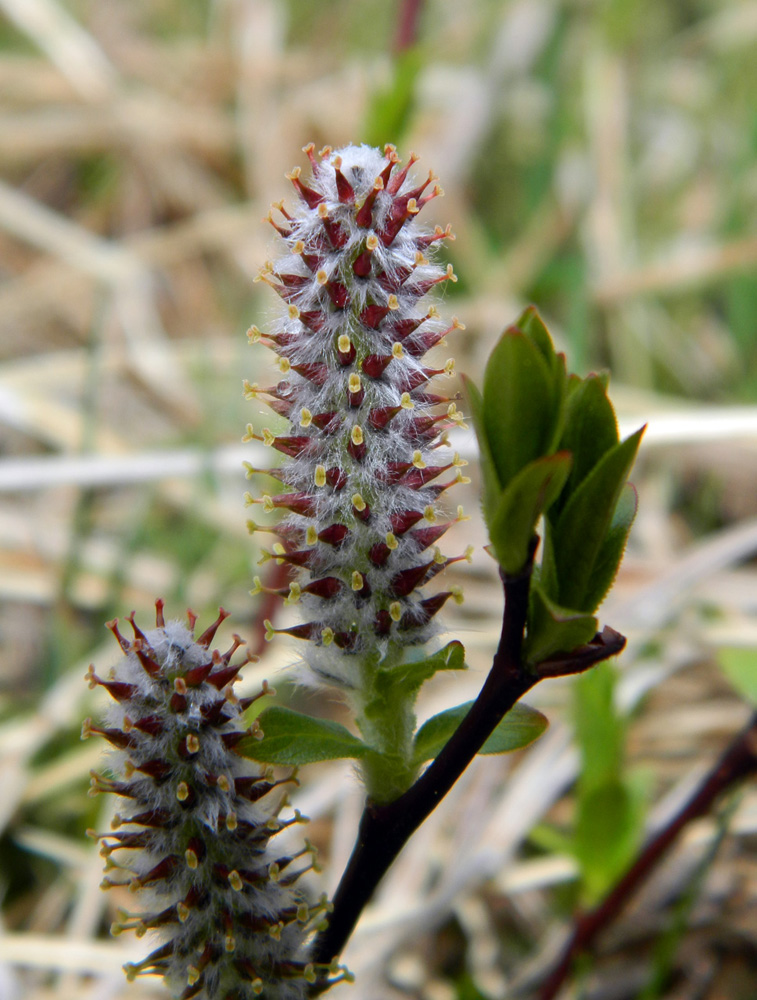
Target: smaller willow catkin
x,y
363,474
196,823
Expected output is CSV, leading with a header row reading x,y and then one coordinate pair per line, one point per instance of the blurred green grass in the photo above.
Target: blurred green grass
x,y
599,159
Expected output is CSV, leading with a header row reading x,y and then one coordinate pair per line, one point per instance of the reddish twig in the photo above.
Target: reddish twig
x,y
407,28
739,760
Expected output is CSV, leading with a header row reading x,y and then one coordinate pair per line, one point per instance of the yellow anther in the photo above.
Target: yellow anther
x,y
357,581
418,460
191,858
306,417
284,366
372,243
182,791
420,260
257,986
294,312
268,437
321,277
354,382
254,335
320,475
269,630
311,535
378,184
391,541
231,821
429,513
235,881
397,350
182,912
449,367
358,503
127,725
395,611
327,636
323,212
298,248
308,973
193,743
229,943
193,975
224,783
344,343
457,595
393,303
180,685
356,434
303,913
279,549
406,402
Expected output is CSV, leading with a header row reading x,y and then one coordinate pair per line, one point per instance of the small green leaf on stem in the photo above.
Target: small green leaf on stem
x,y
293,739
581,530
552,629
405,679
520,727
590,429
522,401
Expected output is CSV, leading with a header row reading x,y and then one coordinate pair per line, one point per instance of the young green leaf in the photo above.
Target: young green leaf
x,y
552,629
520,404
614,545
292,739
524,500
491,486
406,678
531,323
590,431
520,727
583,526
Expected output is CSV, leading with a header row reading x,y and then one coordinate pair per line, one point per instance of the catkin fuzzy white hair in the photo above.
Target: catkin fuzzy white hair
x,y
197,822
362,477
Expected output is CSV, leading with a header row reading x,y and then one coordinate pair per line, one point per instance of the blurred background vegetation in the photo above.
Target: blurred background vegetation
x,y
599,158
